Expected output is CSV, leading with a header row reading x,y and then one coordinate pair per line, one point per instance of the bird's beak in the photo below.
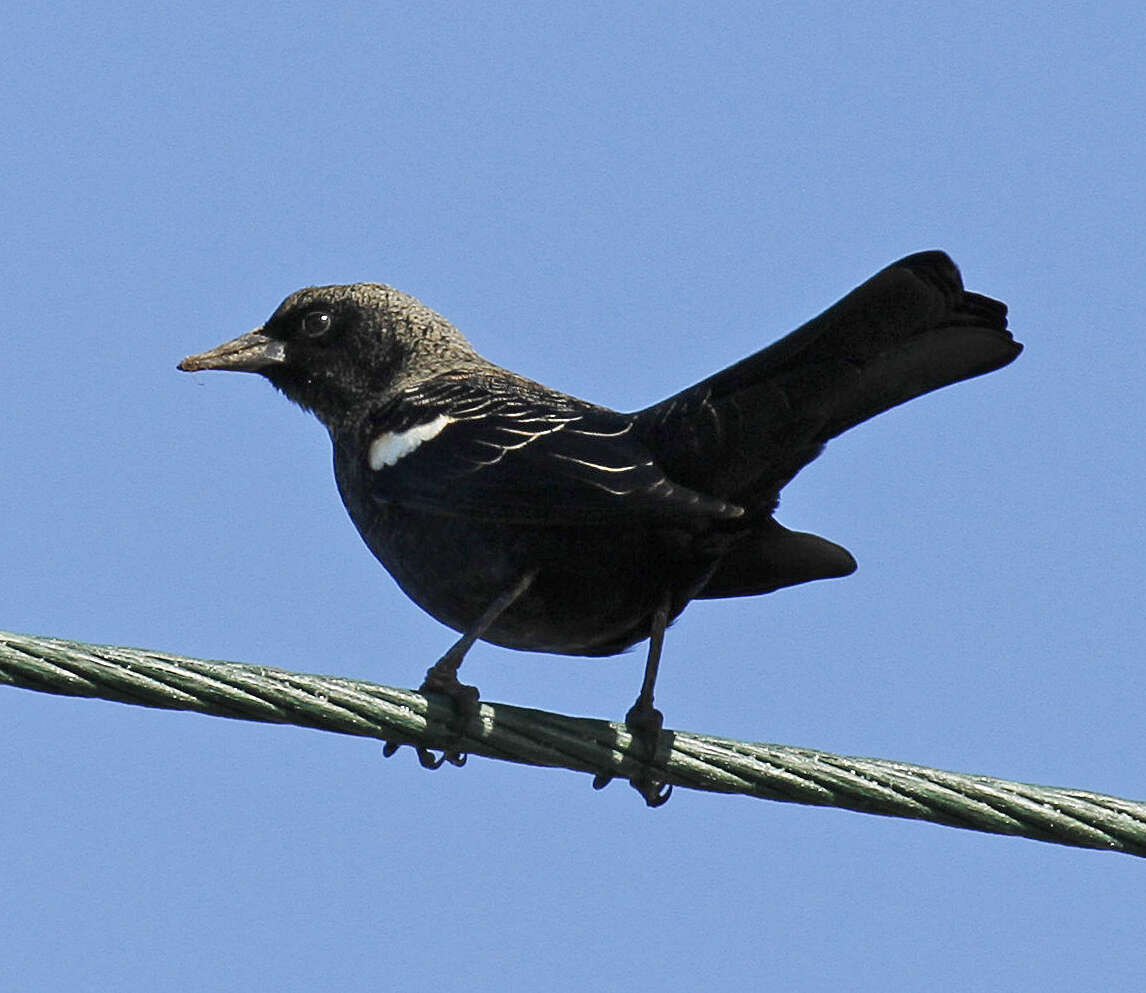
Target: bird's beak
x,y
248,353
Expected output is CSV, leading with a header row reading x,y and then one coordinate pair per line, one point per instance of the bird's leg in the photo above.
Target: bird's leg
x,y
442,676
643,719
643,716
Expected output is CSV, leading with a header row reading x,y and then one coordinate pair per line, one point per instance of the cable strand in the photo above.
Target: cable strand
x,y
774,772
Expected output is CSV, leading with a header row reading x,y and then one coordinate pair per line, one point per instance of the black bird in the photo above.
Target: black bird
x,y
532,519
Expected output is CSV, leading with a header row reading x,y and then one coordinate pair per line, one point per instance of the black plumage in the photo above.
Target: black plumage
x,y
536,520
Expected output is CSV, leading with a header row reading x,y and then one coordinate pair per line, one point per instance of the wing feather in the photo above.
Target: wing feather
x,y
509,450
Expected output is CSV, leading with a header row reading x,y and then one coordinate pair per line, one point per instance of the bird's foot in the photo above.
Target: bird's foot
x,y
464,697
442,678
645,723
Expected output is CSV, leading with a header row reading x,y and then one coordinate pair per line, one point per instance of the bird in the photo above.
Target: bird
x,y
529,518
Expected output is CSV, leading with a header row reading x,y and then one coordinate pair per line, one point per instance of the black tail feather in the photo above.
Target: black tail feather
x,y
910,329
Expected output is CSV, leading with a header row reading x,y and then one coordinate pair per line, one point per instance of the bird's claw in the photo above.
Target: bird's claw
x,y
426,756
428,760
655,792
431,761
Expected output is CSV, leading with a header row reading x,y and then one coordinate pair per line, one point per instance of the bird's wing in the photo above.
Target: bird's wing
x,y
502,449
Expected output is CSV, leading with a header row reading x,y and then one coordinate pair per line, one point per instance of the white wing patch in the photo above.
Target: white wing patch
x,y
390,446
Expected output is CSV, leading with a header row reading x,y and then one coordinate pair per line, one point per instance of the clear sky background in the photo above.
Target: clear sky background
x,y
615,199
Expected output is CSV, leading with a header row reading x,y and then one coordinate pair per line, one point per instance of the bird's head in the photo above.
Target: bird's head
x,y
333,349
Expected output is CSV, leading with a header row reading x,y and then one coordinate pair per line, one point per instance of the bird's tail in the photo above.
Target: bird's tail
x,y
910,329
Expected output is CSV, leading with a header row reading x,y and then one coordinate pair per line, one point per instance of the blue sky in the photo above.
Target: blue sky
x,y
615,200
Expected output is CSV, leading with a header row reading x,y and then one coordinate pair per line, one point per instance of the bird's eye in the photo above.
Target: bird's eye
x,y
316,323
